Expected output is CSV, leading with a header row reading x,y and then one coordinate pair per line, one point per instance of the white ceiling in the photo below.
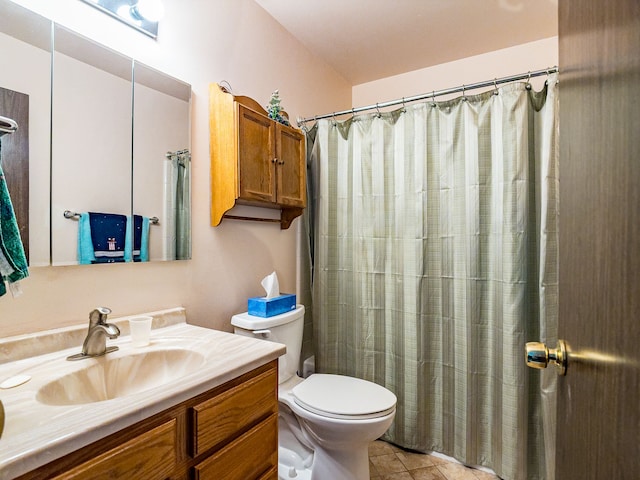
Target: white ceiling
x,y
366,40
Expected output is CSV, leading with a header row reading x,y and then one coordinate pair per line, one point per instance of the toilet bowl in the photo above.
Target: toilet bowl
x,y
325,422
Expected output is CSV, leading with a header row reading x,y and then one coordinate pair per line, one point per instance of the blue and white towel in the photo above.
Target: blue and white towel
x,y
106,238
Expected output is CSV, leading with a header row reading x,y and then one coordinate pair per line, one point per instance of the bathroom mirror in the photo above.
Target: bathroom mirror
x,y
91,137
162,161
84,140
25,95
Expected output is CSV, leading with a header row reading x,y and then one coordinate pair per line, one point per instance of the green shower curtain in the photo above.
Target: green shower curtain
x,y
183,206
433,239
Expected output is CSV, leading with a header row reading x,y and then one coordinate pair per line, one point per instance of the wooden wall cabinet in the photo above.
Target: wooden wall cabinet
x,y
254,159
229,432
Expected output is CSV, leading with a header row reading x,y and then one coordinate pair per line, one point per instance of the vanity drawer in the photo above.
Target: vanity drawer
x,y
232,412
252,456
149,456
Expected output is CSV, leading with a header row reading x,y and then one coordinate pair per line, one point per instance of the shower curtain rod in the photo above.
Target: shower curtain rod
x,y
488,83
177,153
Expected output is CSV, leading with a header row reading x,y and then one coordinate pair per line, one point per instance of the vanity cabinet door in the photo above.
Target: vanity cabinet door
x,y
222,418
149,456
253,456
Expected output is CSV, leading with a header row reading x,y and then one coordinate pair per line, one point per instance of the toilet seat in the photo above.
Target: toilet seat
x,y
342,397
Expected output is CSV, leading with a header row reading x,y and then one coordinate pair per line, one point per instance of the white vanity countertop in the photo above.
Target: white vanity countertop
x,y
36,434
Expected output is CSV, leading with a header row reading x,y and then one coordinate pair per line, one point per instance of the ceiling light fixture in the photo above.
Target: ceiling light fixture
x,y
152,10
143,15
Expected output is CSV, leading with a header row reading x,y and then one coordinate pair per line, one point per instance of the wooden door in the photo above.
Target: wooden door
x,y
15,158
291,167
598,419
256,156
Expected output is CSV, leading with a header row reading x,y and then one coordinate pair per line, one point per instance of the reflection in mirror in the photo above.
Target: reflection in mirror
x,y
162,162
25,96
91,144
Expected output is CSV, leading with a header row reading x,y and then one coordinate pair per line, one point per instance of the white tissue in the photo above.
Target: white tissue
x,y
271,285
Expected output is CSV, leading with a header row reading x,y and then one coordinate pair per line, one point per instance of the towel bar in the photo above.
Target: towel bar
x,y
76,215
7,125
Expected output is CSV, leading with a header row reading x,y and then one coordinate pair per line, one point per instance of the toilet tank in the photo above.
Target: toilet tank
x,y
285,328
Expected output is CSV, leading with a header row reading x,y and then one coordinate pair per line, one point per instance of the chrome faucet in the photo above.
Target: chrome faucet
x,y
95,343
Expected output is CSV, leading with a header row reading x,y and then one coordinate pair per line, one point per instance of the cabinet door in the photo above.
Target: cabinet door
x,y
252,456
256,156
291,167
220,418
150,456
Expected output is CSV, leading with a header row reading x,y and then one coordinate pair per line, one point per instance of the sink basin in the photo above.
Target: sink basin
x,y
106,378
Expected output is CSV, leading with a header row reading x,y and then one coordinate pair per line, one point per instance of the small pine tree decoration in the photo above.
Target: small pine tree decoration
x,y
275,110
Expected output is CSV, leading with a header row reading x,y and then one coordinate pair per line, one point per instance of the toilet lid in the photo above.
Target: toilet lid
x,y
339,396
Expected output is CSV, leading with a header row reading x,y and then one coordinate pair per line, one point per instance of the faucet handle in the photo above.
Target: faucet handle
x,y
98,315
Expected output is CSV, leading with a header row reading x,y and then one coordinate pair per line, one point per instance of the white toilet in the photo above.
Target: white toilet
x,y
326,422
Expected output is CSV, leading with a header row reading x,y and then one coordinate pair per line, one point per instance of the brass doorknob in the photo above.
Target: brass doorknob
x,y
539,356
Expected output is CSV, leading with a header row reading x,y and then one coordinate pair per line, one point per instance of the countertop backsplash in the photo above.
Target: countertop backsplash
x,y
47,341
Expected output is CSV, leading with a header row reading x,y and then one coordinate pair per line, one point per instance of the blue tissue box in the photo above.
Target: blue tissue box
x,y
261,307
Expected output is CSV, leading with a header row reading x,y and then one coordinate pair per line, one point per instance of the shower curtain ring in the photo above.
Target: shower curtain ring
x,y
378,110
528,85
464,95
404,107
495,84
433,99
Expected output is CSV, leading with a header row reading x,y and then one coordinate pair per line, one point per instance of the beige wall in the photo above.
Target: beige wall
x,y
200,41
527,57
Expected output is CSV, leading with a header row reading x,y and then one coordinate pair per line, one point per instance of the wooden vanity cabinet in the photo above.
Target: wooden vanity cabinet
x,y
229,432
254,159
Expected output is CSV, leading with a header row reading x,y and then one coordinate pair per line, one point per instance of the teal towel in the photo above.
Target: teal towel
x,y
138,233
13,262
144,240
86,253
128,246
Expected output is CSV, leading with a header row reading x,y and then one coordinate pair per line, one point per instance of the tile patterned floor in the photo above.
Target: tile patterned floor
x,y
388,462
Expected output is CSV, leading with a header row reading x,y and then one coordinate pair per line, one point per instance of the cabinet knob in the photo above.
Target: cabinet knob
x,y
281,162
275,160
